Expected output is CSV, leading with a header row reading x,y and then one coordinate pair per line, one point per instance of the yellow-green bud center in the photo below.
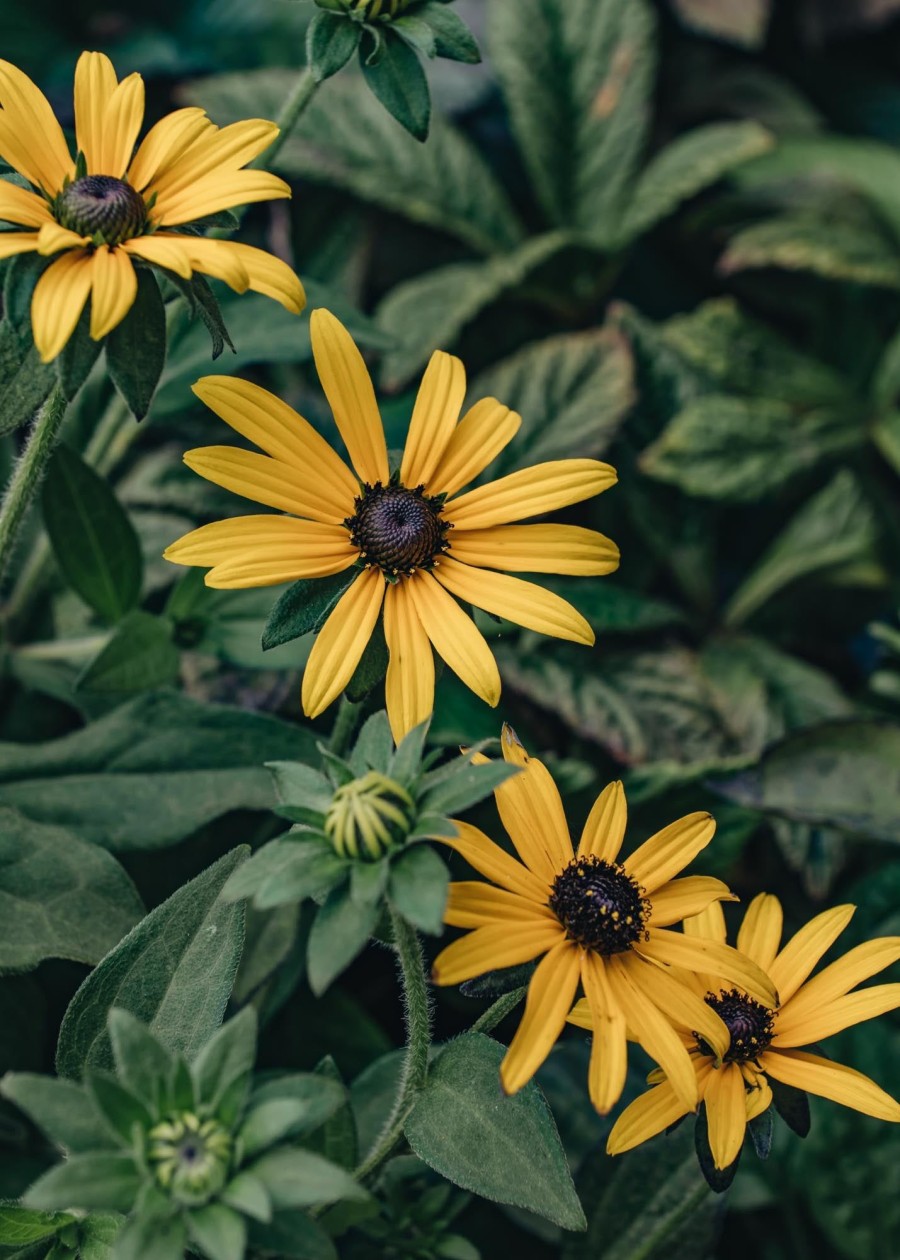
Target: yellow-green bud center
x,y
369,816
190,1157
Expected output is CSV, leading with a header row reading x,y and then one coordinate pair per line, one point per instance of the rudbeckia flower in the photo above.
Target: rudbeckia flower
x,y
595,921
414,543
767,1039
109,206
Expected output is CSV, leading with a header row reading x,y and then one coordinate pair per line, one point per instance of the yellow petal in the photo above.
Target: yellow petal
x,y
17,243
59,298
478,439
696,953
651,1028
609,1048
490,948
841,1084
537,549
494,863
760,932
794,963
684,1008
551,993
165,142
31,140
840,977
266,569
531,812
18,205
709,923
648,1115
53,237
471,904
409,685
681,898
95,83
434,418
580,1015
843,1012
758,1099
218,259
341,642
122,120
215,151
661,857
163,251
456,638
269,481
604,830
530,492
212,193
269,276
113,292
522,602
223,541
348,388
726,1114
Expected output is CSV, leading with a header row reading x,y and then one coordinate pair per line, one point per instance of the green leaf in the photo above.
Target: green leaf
x,y
418,886
578,77
296,1178
343,142
452,38
833,528
78,356
141,1062
136,348
316,1095
249,1196
304,606
219,1231
417,34
93,540
843,774
396,77
372,667
106,1181
330,43
612,609
740,450
268,1123
139,656
119,1108
97,1235
688,165
374,745
504,1149
227,1057
150,772
886,436
25,382
464,787
19,1226
741,22
832,249
292,1234
152,1238
59,896
340,932
285,870
174,971
59,1108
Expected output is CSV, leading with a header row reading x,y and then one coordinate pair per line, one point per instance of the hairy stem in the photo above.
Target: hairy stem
x,y
418,1043
293,107
496,1013
29,472
344,726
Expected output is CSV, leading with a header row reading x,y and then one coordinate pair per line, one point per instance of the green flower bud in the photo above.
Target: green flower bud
x,y
190,1157
369,816
368,10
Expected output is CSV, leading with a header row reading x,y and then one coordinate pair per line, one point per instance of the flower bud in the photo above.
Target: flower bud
x,y
190,1157
368,10
369,816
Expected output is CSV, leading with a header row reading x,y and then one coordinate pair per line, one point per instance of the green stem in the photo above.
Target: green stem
x,y
344,726
418,1043
29,472
651,1242
293,107
495,1014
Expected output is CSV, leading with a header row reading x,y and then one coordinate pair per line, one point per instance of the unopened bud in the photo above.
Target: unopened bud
x,y
190,1157
368,10
369,816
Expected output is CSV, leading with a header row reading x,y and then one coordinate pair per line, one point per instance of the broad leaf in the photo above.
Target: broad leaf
x,y
136,348
24,381
340,932
418,888
139,656
395,75
832,249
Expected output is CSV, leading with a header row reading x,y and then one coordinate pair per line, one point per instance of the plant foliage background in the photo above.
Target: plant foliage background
x,y
668,235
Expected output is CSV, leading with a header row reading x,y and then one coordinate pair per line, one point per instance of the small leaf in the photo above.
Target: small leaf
x,y
227,1057
762,1130
340,932
139,656
59,1108
152,1238
292,1234
219,1231
119,1108
718,1179
829,248
452,38
268,1123
100,1180
136,348
331,40
287,870
203,302
372,666
418,888
296,1178
304,607
93,540
398,80
78,356
249,1196
374,745
141,1062
318,1094
466,787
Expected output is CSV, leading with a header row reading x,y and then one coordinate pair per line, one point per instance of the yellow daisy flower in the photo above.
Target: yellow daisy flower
x,y
419,544
113,205
599,921
766,1039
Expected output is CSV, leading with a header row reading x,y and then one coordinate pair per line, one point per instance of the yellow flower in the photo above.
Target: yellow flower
x,y
419,544
766,1040
111,207
598,921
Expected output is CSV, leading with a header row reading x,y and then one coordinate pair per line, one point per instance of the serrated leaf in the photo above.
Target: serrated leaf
x,y
174,971
93,540
136,348
829,248
503,1149
139,656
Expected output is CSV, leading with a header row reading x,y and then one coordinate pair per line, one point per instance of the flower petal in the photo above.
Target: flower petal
x,y
604,830
651,1028
530,492
348,388
531,810
471,904
670,850
840,977
726,1114
171,252
841,1084
794,963
341,642
31,140
165,142
760,932
456,638
20,206
495,863
551,993
113,292
17,243
268,275
537,549
709,923
59,298
268,569
853,1008
434,417
609,1048
95,83
758,1099
53,237
696,953
215,151
269,481
218,259
213,193
478,439
223,541
409,685
122,120
644,1118
684,1008
681,898
491,948
522,602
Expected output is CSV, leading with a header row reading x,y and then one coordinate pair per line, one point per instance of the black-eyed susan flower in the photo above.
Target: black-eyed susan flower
x,y
109,206
411,543
767,1040
596,922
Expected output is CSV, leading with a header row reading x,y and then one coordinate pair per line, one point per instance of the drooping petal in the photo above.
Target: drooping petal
x,y
218,259
478,439
661,857
20,206
840,977
31,140
609,1048
489,948
842,1012
171,252
456,638
531,810
113,292
12,243
760,932
409,685
472,904
348,388
684,1008
551,992
652,1029
268,275
681,898
213,193
841,1084
696,953
59,298
495,863
530,492
522,602
794,963
537,549
341,642
434,418
644,1118
165,142
53,237
269,481
726,1114
604,830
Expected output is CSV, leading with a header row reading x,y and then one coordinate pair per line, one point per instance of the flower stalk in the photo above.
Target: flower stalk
x,y
29,472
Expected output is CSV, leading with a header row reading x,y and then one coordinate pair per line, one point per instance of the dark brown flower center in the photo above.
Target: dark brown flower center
x,y
750,1024
398,529
108,209
600,905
